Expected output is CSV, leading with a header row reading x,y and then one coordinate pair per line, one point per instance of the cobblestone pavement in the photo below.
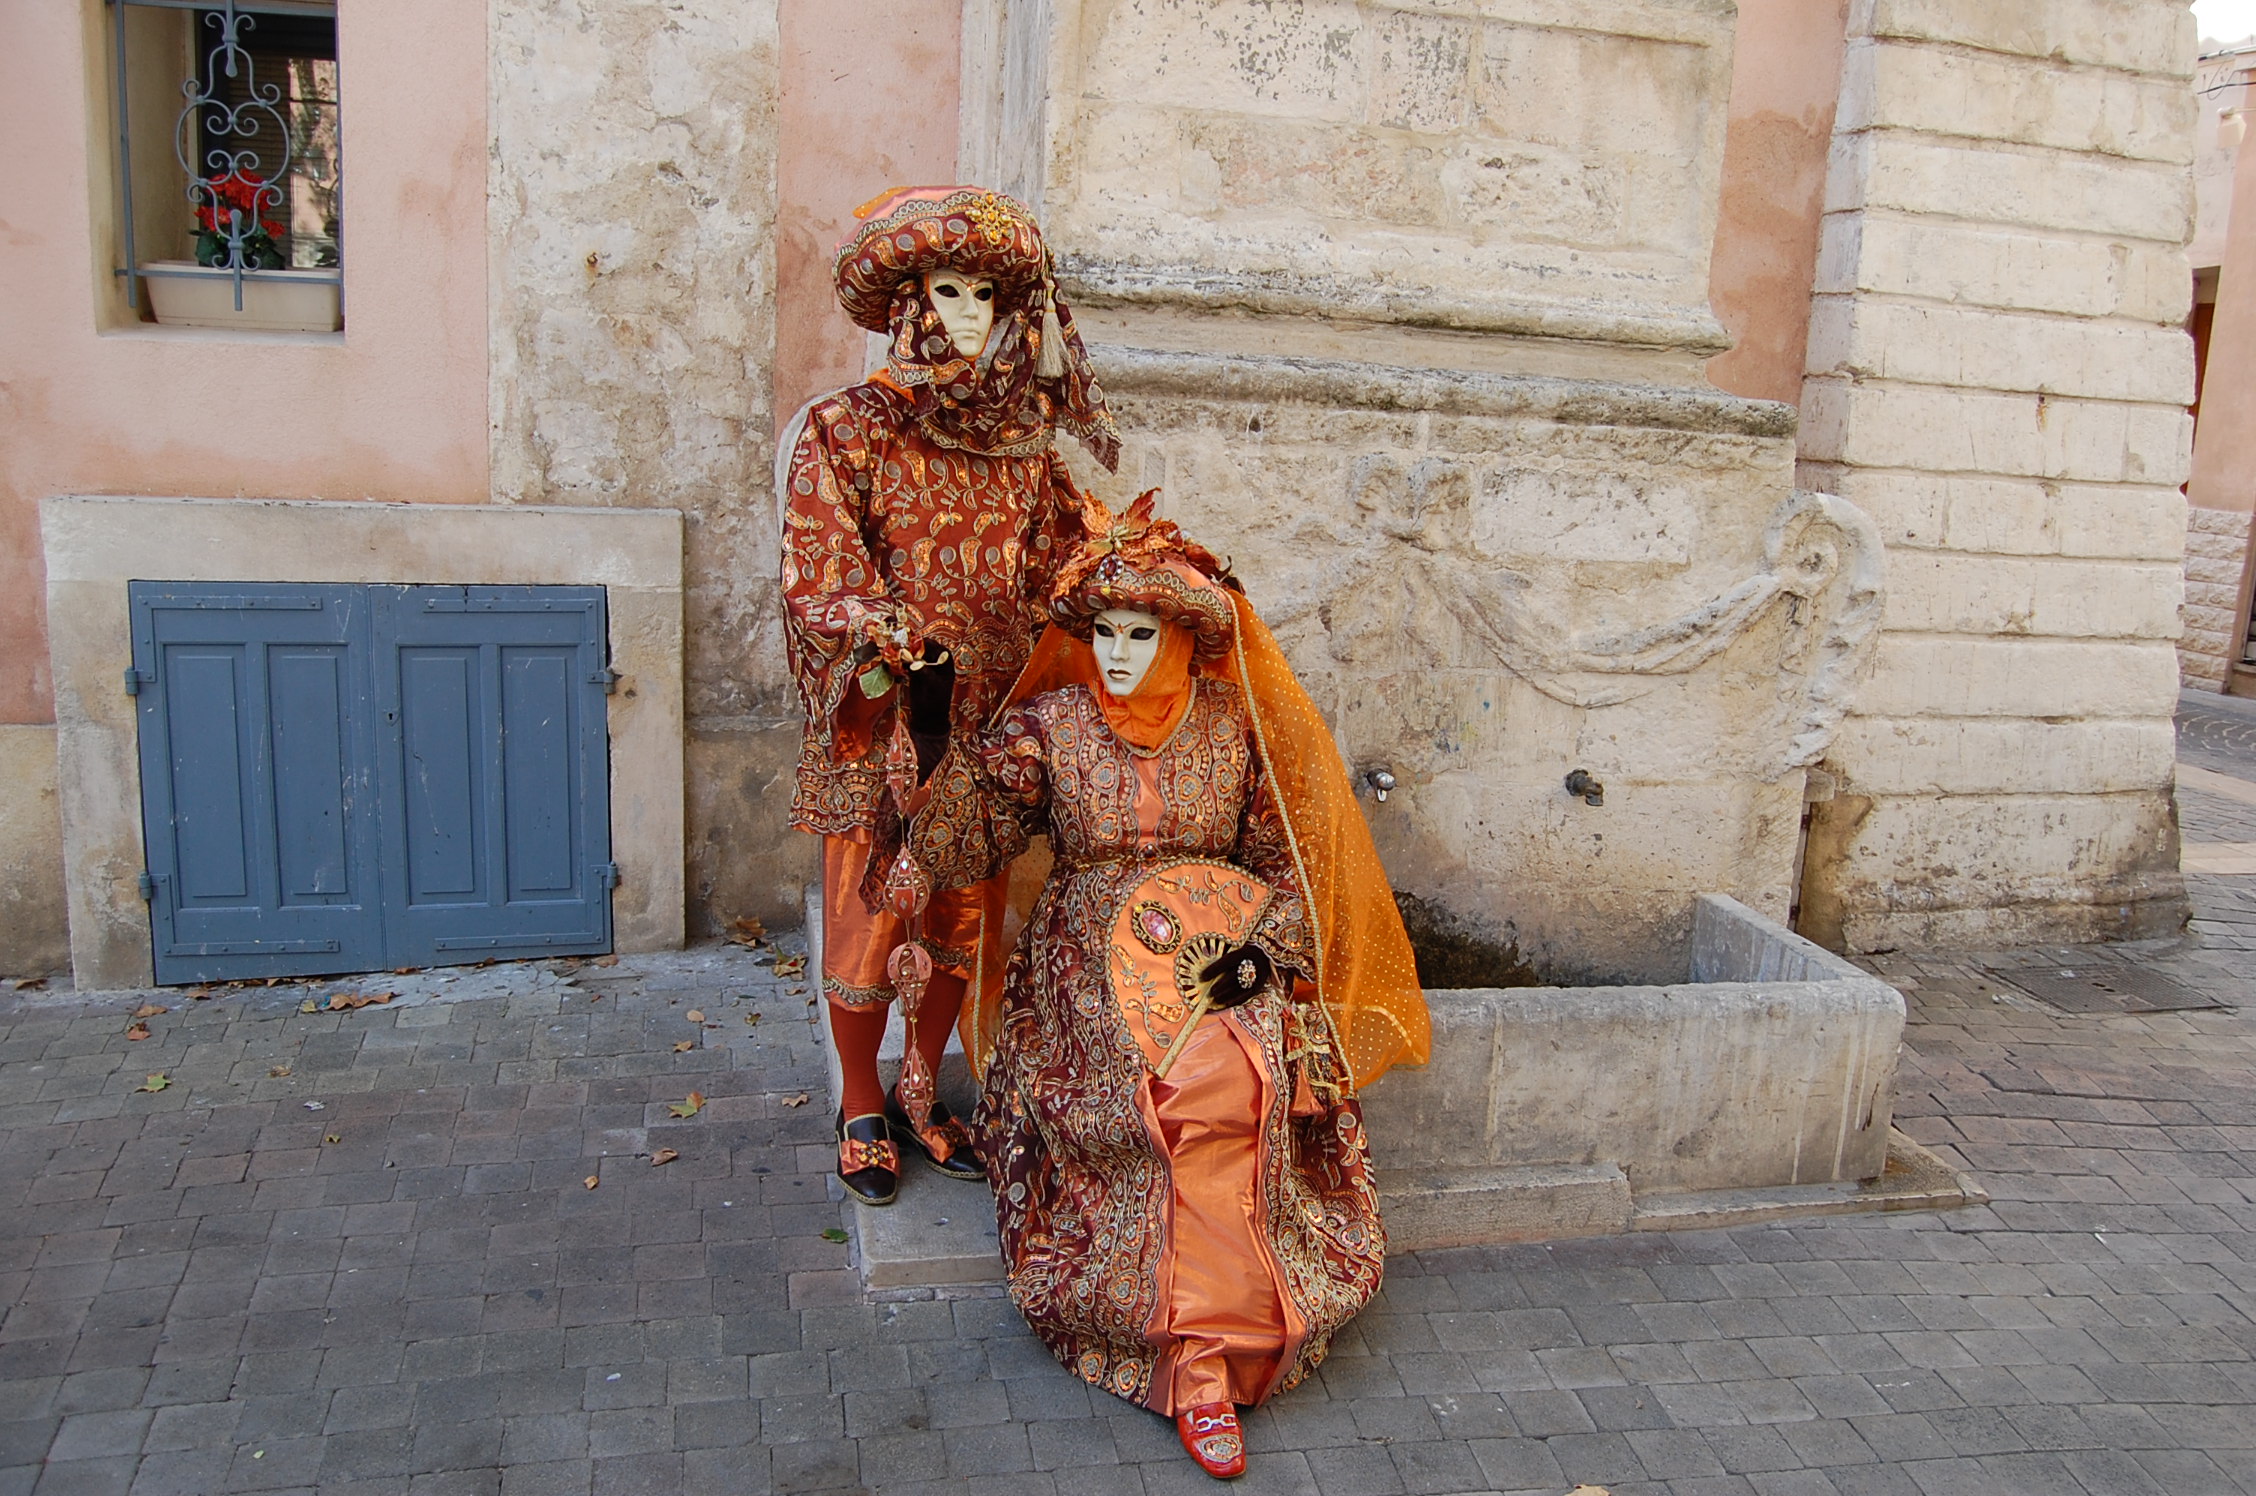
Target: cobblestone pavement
x,y
358,1251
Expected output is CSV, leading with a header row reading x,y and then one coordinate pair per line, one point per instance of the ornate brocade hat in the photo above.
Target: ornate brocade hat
x,y
1145,565
907,231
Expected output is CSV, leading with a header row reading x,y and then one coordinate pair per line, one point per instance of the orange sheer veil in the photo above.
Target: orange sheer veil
x,y
1366,977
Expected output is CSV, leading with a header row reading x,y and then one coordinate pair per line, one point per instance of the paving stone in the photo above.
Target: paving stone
x,y
437,1304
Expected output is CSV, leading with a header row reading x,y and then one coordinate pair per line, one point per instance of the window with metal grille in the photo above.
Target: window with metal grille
x,y
229,162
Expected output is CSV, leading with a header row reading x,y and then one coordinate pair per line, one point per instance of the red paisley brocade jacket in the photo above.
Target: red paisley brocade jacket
x,y
959,546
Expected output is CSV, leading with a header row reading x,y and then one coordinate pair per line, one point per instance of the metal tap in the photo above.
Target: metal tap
x,y
1380,781
1582,784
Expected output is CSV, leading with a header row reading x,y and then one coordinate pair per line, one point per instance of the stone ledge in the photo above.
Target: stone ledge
x,y
940,1235
1099,282
1914,1179
1720,1091
1363,386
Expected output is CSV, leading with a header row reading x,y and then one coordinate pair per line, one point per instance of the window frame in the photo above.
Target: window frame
x,y
133,271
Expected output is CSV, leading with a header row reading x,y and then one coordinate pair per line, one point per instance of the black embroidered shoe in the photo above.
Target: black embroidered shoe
x,y
868,1163
943,1143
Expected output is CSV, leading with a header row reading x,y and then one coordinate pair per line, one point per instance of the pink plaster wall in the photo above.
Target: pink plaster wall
x,y
868,102
2224,447
1785,80
395,410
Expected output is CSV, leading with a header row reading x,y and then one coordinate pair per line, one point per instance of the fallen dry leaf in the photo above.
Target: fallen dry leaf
x,y
201,994
138,1032
332,1137
309,1006
797,990
685,1046
278,1072
345,1002
149,1010
1590,1491
405,971
747,931
751,1018
604,961
694,1016
589,1181
791,966
482,965
689,1107
798,1100
154,1083
664,1156
28,984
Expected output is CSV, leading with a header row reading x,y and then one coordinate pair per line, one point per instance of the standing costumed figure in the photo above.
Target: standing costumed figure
x,y
1215,965
925,514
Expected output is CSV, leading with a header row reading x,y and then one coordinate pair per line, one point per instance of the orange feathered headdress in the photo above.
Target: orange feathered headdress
x,y
1134,561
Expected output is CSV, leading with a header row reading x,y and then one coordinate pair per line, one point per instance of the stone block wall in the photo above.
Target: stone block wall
x,y
1998,375
2216,547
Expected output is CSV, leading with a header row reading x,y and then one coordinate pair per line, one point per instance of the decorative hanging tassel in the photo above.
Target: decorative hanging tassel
x,y
1051,363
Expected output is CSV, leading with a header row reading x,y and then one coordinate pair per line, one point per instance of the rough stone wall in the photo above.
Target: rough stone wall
x,y
1503,166
1487,582
1405,306
34,930
1998,375
632,219
2216,547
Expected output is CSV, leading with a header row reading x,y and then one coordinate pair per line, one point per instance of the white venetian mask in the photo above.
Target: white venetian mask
x,y
1126,642
966,304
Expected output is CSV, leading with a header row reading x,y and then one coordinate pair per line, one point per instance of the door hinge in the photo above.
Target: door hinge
x,y
136,679
608,874
607,678
147,883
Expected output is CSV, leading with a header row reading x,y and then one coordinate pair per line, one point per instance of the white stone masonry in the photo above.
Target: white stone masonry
x,y
1998,374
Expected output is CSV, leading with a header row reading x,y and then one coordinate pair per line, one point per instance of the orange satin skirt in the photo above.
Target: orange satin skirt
x,y
963,928
1226,1327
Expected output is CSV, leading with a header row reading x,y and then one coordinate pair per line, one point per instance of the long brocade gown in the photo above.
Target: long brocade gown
x,y
1198,1239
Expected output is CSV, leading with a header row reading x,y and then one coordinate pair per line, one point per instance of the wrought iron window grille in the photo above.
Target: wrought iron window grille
x,y
247,147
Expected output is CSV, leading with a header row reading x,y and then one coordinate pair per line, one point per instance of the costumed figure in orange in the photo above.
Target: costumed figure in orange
x,y
1214,966
925,513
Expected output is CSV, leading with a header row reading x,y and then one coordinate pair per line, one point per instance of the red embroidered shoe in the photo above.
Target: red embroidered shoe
x,y
1210,1432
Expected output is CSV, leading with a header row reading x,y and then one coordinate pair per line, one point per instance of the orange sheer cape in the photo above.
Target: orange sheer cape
x,y
1366,977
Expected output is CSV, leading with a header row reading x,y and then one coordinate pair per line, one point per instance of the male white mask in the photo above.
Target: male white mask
x,y
1126,643
966,304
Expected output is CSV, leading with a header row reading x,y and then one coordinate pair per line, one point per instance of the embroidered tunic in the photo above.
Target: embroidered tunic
x,y
1184,1241
882,520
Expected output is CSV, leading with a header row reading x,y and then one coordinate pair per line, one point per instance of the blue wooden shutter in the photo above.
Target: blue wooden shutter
x,y
497,829
256,751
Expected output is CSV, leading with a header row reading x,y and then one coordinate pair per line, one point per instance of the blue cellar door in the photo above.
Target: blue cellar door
x,y
257,752
497,820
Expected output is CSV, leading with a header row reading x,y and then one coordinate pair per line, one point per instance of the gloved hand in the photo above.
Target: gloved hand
x,y
932,688
1237,976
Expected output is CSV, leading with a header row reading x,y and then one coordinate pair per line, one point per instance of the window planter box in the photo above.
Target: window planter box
x,y
307,301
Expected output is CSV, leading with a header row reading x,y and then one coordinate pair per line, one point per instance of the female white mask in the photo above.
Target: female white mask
x,y
1126,642
966,304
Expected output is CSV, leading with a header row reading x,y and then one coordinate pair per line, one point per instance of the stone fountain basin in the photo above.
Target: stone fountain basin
x,y
1763,1085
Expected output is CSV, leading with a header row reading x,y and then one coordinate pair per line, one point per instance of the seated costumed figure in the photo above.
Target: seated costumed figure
x,y
1213,967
